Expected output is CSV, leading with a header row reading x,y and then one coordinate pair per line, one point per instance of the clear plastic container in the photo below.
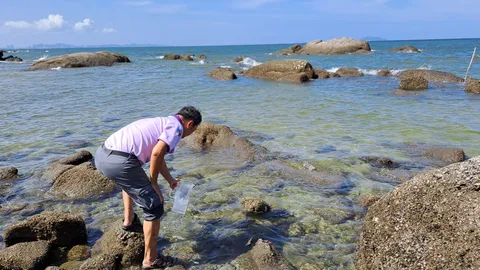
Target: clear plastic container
x,y
182,195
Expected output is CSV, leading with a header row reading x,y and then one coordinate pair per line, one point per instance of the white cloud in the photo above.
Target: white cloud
x,y
108,30
167,9
138,3
252,4
49,23
84,25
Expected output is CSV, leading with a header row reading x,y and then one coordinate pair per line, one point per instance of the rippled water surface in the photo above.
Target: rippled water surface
x,y
315,134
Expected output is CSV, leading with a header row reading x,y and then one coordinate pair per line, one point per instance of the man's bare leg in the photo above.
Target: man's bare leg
x,y
127,209
151,229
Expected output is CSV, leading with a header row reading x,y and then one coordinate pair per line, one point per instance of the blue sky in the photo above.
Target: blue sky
x,y
195,22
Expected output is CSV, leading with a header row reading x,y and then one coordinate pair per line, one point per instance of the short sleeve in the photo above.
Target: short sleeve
x,y
171,135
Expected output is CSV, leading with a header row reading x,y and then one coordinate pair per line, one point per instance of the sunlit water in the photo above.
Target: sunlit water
x,y
321,127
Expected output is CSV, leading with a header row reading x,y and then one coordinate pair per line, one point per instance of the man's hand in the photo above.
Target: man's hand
x,y
173,184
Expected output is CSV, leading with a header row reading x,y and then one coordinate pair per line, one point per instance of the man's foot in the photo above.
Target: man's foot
x,y
161,263
136,225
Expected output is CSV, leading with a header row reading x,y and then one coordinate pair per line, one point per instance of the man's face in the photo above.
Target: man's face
x,y
189,128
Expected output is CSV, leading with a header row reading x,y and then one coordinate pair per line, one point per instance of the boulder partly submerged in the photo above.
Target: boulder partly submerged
x,y
473,87
405,49
80,60
290,70
429,222
335,46
8,173
430,75
413,83
349,72
263,256
224,74
59,229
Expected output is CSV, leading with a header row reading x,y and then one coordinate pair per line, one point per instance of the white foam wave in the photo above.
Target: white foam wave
x,y
201,62
225,66
369,71
57,68
247,61
334,69
425,67
160,57
46,50
45,56
268,53
396,71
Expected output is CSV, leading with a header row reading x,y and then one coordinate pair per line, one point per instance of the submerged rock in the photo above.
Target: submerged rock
x,y
79,60
380,162
222,74
12,58
126,245
349,72
428,222
60,229
27,255
255,206
406,49
237,59
446,154
384,73
413,83
8,173
103,262
202,56
290,70
368,200
473,87
263,256
170,56
430,75
79,253
335,46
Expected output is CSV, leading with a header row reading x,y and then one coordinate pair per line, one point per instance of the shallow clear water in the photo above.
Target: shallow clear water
x,y
46,115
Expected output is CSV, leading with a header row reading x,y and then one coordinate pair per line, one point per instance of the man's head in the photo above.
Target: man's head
x,y
191,119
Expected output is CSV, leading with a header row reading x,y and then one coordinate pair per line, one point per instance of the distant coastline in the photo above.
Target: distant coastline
x,y
134,45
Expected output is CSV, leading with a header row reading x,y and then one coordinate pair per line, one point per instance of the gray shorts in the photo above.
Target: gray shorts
x,y
127,172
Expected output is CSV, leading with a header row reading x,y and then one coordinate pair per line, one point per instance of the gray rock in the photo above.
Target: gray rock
x,y
79,60
335,46
12,58
349,72
28,255
126,245
222,74
430,75
429,222
413,83
60,229
77,158
8,173
406,49
290,70
473,87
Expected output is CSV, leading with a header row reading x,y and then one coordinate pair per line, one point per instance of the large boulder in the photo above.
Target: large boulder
x,y
413,83
349,72
430,75
170,56
222,74
335,46
405,49
75,177
8,173
429,222
473,87
290,50
129,246
79,60
263,256
28,256
321,73
60,229
290,70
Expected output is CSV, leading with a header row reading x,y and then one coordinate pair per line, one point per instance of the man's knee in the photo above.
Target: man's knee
x,y
153,213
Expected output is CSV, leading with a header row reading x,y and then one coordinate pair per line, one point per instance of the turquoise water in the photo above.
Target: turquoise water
x,y
46,115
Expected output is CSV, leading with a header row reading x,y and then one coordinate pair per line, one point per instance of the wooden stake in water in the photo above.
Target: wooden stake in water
x,y
471,61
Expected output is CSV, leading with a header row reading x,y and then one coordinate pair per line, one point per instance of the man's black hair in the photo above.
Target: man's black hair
x,y
191,113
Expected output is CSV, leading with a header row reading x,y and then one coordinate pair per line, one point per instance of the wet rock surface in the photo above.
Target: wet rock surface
x,y
446,154
321,73
80,60
425,223
349,72
263,256
430,75
406,49
291,70
222,74
27,255
255,206
8,173
60,229
473,87
413,83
